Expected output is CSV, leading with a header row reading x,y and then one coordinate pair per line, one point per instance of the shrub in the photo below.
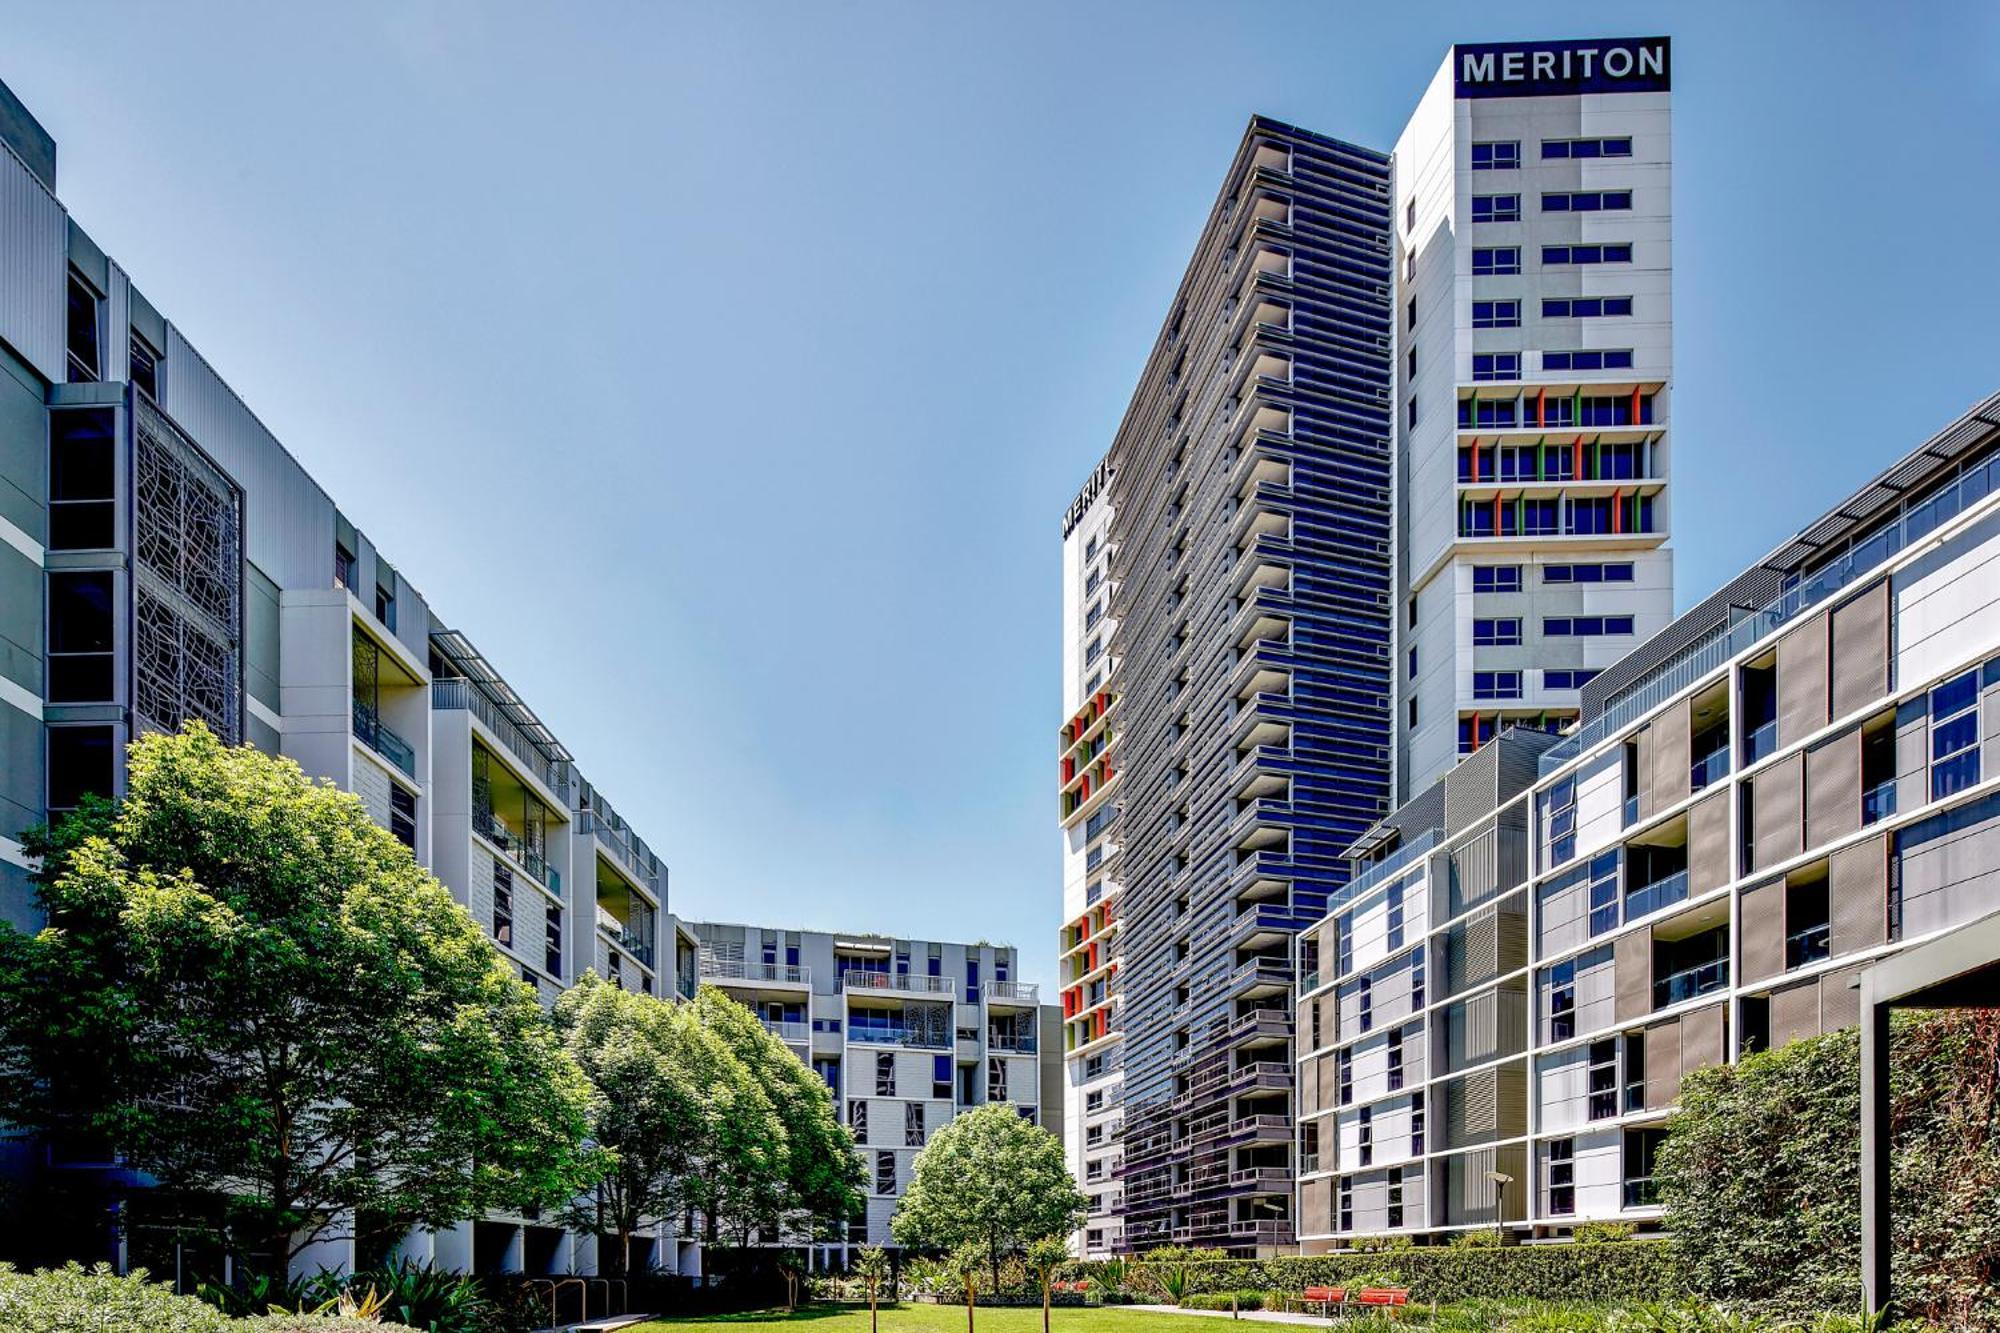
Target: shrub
x,y
1486,1238
1226,1300
1593,1233
73,1299
1630,1270
314,1323
1760,1173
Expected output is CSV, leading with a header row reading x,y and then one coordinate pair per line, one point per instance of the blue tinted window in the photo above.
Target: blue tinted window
x,y
1496,208
1611,359
1496,684
1568,149
1496,365
1585,201
1499,156
1496,260
1496,314
1620,253
1501,633
1496,578
1585,307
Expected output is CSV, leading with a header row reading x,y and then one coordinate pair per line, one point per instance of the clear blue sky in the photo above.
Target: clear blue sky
x,y
724,371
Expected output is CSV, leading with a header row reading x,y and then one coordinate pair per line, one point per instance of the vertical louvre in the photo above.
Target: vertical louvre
x,y
1663,1065
1794,1012
1763,931
1316,1207
1833,789
1708,842
1839,999
1632,967
1861,650
1858,895
1309,1085
1512,944
1775,835
1701,1036
1673,743
1802,681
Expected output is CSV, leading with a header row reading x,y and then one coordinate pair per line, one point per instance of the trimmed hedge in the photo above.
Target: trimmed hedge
x,y
1622,1270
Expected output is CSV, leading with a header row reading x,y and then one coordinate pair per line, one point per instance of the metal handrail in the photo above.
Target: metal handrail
x,y
741,969
372,731
856,979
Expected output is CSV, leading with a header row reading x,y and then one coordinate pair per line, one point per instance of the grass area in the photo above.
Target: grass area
x,y
927,1319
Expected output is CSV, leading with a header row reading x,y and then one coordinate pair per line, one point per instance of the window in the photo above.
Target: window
x,y
83,481
1366,996
1410,215
1954,735
1603,1079
1346,1203
1501,155
913,1125
1499,633
1610,359
1612,573
79,761
1395,1196
1496,578
1095,614
84,362
552,953
1413,361
1496,314
1617,253
1496,684
385,607
1410,267
941,1077
503,905
1396,1060
1487,412
1567,680
1495,261
1496,207
1365,1136
1586,201
972,981
1395,916
1496,365
1559,821
885,1074
1090,652
885,1173
1558,149
343,566
145,367
1417,978
857,1119
1585,307
1413,312
1413,664
403,815
996,1079
1417,1124
1586,627
1343,1069
1562,1000
1559,1176
829,1070
80,637
1413,413
1413,714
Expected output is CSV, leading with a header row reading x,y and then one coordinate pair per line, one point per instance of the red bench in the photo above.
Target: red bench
x,y
1383,1296
1325,1296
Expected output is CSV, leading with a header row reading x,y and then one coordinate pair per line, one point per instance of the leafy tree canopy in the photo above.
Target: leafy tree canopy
x,y
991,1179
256,993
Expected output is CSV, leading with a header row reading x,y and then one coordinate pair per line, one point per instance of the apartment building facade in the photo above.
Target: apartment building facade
x,y
164,558
907,1034
1227,675
1534,365
1796,778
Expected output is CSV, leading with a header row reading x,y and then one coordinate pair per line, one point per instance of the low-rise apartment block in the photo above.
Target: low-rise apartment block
x,y
1797,777
906,1033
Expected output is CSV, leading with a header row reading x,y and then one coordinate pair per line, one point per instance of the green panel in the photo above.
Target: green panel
x,y
21,592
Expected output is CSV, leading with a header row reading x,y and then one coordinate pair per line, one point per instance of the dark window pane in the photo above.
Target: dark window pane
x,y
79,762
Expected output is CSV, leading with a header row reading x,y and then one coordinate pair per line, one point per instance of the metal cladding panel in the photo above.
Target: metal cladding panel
x,y
1861,649
1776,829
1632,966
1316,1207
1762,951
1833,789
289,525
1839,999
1858,896
1663,1065
1802,681
34,270
1708,843
1794,1012
1670,740
1701,1038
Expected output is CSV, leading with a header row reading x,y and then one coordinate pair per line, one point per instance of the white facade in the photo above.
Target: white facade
x,y
1540,494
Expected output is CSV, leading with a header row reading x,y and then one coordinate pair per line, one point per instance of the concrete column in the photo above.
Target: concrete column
x,y
451,1249
1875,1220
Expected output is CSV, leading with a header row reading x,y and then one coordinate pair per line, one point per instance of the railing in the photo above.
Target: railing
x,y
1878,802
1308,1163
490,828
1689,982
1261,1175
1262,970
1652,897
458,693
634,942
1026,992
740,969
1263,1230
1260,1124
1382,871
1630,811
372,732
1309,982
1808,945
1760,742
687,985
855,979
788,1029
1712,767
1642,1192
898,1036
1023,1044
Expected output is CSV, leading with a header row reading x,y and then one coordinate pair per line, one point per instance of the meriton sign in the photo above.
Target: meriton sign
x,y
1556,69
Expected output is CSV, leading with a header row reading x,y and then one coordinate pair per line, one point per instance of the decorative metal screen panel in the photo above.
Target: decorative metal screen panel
x,y
188,575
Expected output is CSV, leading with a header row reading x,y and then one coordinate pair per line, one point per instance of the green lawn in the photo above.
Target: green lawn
x,y
929,1319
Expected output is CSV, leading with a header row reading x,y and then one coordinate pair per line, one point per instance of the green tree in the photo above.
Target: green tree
x,y
813,1172
257,994
964,1263
651,1118
1760,1172
990,1179
1047,1256
871,1265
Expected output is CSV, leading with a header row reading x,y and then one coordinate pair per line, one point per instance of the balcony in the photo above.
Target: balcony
x,y
726,970
373,732
1261,1180
1260,976
458,693
1709,769
1262,1231
1878,802
792,1031
1760,742
874,1034
634,942
1011,1043
854,980
1270,1074
1260,1128
1690,982
1809,945
530,858
1649,898
1025,994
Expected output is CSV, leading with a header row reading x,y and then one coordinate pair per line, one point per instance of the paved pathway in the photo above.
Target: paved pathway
x,y
1261,1316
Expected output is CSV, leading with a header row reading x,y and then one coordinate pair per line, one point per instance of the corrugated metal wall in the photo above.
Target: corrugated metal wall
x,y
34,267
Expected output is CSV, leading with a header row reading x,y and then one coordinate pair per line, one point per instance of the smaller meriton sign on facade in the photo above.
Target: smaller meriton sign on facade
x,y
1559,69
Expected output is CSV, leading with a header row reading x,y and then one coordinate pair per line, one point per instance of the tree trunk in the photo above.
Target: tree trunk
x,y
993,1257
871,1310
1045,1303
968,1303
